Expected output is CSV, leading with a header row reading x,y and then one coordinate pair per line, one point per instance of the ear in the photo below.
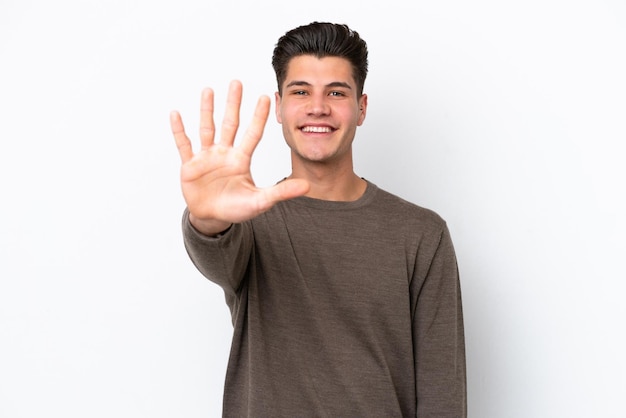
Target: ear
x,y
277,107
362,109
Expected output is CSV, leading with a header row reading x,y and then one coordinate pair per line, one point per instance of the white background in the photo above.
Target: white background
x,y
508,118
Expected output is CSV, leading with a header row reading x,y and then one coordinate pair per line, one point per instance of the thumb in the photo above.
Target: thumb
x,y
285,190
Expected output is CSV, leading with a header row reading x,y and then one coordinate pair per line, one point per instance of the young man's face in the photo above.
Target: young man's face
x,y
320,109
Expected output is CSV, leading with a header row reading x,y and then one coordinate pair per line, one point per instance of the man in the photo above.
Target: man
x,y
345,299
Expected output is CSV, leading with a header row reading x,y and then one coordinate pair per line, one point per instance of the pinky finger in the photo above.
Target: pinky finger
x,y
182,141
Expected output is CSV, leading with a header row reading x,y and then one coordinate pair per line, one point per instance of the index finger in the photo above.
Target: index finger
x,y
255,131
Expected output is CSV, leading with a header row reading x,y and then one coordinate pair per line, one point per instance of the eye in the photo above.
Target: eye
x,y
299,92
337,93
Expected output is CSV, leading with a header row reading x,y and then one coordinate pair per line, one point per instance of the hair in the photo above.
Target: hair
x,y
321,39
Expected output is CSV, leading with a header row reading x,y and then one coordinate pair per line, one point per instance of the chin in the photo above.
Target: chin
x,y
317,156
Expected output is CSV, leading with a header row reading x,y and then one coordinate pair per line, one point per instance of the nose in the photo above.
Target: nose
x,y
318,105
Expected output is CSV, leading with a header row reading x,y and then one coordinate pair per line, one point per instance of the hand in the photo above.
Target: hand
x,y
216,181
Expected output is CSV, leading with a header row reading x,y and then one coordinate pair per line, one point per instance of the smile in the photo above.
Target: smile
x,y
316,129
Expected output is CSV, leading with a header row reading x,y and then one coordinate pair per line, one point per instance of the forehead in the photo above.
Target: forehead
x,y
316,70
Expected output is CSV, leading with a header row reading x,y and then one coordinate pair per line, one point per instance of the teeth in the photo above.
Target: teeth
x,y
316,129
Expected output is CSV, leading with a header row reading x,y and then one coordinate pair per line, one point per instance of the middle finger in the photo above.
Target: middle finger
x,y
230,123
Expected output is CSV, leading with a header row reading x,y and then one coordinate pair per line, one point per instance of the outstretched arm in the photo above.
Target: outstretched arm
x,y
216,181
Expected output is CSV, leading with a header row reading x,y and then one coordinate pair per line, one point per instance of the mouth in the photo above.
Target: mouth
x,y
316,129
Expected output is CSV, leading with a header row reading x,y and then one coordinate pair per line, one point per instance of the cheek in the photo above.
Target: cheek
x,y
286,115
355,116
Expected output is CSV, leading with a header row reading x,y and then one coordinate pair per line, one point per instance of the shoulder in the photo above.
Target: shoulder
x,y
421,230
407,211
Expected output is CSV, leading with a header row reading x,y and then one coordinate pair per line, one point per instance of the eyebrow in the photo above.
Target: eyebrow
x,y
305,83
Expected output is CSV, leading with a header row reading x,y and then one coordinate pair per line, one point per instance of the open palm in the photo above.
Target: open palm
x,y
216,181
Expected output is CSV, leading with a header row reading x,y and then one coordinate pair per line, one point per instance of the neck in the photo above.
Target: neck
x,y
329,184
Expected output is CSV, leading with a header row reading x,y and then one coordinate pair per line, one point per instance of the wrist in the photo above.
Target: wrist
x,y
209,227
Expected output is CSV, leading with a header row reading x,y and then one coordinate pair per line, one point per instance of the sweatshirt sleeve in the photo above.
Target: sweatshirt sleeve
x,y
223,259
438,331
